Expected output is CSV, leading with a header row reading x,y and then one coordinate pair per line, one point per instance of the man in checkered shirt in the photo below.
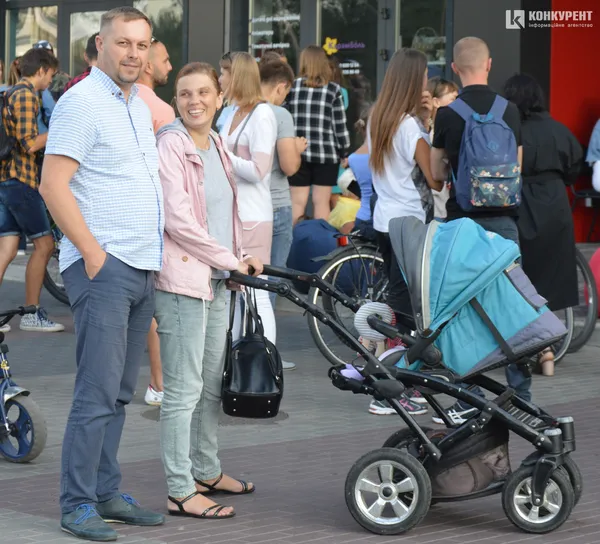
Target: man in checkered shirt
x,y
22,209
100,181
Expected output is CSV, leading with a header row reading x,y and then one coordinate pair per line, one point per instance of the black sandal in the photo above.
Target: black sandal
x,y
211,489
182,512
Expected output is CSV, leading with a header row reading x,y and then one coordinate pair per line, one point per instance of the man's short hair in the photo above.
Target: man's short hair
x,y
91,51
470,54
36,58
126,13
276,71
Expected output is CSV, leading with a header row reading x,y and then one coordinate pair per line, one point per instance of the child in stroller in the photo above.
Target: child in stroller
x,y
471,315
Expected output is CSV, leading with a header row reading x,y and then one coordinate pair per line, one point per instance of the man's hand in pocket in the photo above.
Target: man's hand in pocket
x,y
94,262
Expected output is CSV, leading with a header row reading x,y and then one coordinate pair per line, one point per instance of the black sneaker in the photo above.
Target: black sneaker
x,y
457,414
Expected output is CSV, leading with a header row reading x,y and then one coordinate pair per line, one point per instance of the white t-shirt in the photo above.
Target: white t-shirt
x,y
253,162
402,189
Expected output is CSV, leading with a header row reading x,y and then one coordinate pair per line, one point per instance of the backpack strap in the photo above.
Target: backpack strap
x,y
498,107
462,108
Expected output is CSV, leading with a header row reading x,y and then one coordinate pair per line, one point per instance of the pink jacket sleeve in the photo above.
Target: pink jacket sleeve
x,y
180,223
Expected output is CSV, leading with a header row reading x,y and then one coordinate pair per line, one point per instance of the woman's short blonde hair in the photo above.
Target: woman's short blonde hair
x,y
244,89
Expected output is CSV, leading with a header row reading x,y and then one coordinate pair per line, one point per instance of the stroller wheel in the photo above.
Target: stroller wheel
x,y
575,476
557,503
388,491
406,440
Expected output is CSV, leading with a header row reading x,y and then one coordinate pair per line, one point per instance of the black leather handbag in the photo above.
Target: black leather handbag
x,y
253,375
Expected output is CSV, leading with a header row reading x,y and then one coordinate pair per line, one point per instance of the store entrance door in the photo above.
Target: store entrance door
x,y
360,37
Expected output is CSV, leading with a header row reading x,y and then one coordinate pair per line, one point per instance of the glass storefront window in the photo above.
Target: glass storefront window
x,y
83,25
349,36
167,20
26,26
423,27
275,24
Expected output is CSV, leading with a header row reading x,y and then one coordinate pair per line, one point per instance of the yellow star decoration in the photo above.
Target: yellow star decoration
x,y
330,46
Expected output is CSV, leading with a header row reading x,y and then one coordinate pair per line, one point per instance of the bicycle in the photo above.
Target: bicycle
x,y
357,271
23,431
52,278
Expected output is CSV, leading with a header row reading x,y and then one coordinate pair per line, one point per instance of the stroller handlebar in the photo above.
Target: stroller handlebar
x,y
259,283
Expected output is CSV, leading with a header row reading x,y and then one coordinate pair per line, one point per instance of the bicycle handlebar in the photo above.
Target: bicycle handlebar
x,y
21,310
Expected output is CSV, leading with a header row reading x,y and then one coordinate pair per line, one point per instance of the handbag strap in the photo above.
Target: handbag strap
x,y
232,304
260,331
244,123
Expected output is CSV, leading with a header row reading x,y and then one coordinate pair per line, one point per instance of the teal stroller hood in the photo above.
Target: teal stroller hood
x,y
465,283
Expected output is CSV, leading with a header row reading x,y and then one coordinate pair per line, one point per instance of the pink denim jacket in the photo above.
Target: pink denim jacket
x,y
189,251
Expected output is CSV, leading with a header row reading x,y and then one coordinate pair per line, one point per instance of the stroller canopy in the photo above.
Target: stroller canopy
x,y
447,264
464,282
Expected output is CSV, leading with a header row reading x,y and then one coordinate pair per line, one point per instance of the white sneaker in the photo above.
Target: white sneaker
x,y
457,414
153,397
5,328
288,366
39,322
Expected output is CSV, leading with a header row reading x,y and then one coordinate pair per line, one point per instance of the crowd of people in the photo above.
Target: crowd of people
x,y
158,202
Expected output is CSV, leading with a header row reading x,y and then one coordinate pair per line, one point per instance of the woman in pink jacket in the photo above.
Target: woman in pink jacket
x,y
203,241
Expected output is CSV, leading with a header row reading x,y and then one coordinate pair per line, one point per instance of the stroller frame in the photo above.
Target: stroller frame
x,y
552,445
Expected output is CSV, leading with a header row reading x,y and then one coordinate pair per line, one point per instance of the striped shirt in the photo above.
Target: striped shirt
x,y
320,116
117,186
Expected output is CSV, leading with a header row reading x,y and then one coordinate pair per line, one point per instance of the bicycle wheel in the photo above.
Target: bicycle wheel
x,y
52,279
358,273
586,313
560,348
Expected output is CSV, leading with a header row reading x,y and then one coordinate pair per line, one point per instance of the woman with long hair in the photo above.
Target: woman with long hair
x,y
250,135
202,240
317,106
552,158
399,151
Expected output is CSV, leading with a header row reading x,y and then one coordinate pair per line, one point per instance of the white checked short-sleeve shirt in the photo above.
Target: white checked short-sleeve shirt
x,y
116,186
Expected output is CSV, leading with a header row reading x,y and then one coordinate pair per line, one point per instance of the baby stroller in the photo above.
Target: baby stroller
x,y
474,310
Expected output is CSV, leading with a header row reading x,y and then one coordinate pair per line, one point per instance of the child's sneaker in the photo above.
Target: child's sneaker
x,y
382,408
416,396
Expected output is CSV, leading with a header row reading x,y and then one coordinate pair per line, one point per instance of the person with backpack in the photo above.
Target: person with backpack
x,y
22,210
477,145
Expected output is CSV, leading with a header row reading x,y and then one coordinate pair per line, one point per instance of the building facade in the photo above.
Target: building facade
x,y
361,35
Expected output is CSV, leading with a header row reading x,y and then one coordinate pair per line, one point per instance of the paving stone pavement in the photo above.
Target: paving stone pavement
x,y
299,461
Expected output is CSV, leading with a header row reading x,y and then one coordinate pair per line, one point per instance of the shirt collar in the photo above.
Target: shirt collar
x,y
107,82
29,85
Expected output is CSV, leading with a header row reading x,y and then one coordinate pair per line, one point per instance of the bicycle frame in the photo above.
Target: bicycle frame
x,y
8,388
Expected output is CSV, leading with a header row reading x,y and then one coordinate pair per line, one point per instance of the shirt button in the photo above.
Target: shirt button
x,y
184,259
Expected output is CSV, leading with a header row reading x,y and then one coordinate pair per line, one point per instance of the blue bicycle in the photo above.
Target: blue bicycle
x,y
23,430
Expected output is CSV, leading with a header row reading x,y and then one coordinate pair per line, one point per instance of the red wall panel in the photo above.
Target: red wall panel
x,y
575,85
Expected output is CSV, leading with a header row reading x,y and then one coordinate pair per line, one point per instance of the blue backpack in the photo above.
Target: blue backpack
x,y
488,169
